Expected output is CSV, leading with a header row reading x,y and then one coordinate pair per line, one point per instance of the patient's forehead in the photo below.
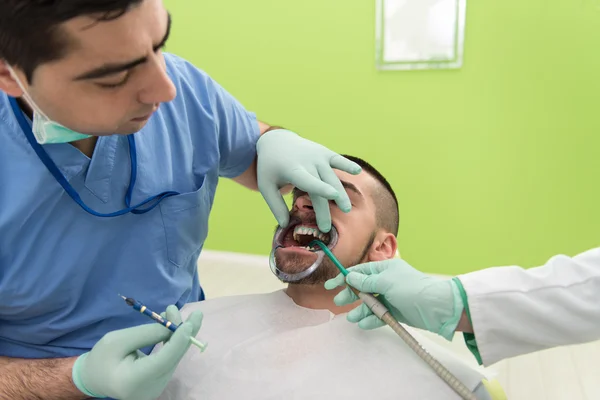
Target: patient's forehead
x,y
363,181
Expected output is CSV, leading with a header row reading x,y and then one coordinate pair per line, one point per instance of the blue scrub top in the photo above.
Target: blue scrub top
x,y
62,268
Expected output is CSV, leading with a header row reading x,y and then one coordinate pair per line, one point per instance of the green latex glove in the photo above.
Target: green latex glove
x,y
116,368
285,158
411,296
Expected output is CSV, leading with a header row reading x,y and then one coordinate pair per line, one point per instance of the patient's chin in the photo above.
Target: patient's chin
x,y
294,263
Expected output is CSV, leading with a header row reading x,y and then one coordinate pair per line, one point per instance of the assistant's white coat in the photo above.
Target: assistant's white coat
x,y
517,311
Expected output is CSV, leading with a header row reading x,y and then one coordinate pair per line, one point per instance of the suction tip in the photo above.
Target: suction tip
x,y
315,243
329,254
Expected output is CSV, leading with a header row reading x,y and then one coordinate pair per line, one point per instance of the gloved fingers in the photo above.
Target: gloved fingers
x,y
166,359
373,267
126,341
276,203
164,316
345,297
140,354
195,319
342,163
371,322
328,176
174,315
339,280
359,313
367,283
322,213
311,184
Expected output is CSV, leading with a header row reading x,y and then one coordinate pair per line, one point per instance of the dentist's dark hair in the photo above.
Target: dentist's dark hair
x,y
30,31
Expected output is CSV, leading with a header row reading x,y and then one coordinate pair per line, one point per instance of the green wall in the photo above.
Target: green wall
x,y
496,163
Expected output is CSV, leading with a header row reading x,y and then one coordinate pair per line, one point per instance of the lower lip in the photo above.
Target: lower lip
x,y
296,250
142,119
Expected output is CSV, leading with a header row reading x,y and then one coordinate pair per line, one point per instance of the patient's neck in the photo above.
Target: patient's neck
x,y
317,297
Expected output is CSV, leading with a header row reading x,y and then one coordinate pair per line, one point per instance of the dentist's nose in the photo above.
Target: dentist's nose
x,y
160,88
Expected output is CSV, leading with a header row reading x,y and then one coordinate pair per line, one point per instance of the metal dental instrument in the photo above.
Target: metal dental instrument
x,y
383,313
158,318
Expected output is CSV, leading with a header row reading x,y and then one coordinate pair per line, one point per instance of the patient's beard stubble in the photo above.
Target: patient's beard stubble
x,y
296,263
323,273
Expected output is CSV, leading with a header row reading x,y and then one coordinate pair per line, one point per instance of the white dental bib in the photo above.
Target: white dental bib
x,y
264,346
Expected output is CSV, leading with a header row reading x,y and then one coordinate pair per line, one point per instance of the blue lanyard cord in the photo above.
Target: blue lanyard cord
x,y
60,178
158,198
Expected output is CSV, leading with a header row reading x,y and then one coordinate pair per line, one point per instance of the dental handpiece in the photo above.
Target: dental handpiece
x,y
384,314
158,318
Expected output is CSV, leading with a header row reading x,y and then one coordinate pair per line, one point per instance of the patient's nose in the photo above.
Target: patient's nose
x,y
303,203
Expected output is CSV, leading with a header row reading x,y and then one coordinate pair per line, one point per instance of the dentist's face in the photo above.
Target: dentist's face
x,y
112,76
356,231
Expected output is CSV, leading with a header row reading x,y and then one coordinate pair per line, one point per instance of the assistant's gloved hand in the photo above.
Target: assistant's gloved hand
x,y
411,296
286,158
116,368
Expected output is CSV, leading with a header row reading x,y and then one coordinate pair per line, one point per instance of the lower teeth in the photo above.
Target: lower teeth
x,y
305,247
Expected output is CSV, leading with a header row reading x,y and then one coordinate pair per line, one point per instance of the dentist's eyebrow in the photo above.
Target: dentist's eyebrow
x,y
117,68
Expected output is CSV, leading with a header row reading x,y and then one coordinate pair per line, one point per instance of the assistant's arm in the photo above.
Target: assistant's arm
x,y
516,311
48,379
513,311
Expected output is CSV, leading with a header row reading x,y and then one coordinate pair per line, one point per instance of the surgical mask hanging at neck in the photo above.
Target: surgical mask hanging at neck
x,y
44,129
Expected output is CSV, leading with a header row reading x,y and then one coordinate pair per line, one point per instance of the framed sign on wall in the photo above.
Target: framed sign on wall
x,y
420,34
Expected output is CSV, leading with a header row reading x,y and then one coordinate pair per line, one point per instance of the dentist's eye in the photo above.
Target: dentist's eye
x,y
115,84
112,85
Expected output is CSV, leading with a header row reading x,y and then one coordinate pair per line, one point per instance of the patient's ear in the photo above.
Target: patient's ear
x,y
384,247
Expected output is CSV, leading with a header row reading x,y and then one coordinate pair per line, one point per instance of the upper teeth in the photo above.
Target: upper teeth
x,y
305,230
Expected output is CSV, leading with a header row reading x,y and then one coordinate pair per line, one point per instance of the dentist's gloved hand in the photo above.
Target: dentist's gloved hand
x,y
116,368
411,296
286,158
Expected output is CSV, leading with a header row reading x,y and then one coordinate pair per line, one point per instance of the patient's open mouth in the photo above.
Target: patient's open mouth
x,y
300,235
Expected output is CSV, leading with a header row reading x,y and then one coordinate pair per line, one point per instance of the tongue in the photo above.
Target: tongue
x,y
289,242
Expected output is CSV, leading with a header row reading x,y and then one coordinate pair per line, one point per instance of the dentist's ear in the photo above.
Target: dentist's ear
x,y
384,247
8,83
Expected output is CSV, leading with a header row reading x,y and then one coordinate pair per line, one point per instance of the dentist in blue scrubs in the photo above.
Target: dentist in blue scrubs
x,y
111,154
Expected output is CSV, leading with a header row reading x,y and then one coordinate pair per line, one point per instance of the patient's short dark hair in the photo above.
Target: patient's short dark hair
x,y
385,199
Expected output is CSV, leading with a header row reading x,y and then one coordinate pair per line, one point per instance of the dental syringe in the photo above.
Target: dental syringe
x,y
163,321
384,314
